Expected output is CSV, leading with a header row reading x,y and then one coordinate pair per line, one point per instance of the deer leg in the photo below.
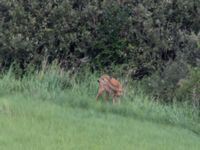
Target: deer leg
x,y
117,98
100,91
114,100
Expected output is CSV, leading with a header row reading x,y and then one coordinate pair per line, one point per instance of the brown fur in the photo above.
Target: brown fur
x,y
111,86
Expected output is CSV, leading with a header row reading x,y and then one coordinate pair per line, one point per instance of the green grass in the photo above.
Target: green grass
x,y
27,124
52,110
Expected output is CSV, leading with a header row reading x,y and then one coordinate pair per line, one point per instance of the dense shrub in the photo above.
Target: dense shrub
x,y
144,38
189,87
163,84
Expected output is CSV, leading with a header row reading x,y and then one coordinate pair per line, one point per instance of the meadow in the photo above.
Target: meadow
x,y
53,109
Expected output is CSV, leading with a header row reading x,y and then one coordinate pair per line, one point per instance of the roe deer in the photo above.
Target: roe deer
x,y
111,86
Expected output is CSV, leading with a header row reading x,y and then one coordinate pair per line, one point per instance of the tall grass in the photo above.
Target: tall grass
x,y
63,88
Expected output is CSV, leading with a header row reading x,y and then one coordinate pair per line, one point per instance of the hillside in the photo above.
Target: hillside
x,y
36,124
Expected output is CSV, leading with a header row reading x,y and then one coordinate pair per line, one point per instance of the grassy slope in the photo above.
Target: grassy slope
x,y
51,110
36,124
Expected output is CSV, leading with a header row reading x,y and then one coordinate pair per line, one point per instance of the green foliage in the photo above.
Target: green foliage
x,y
164,84
135,39
188,88
143,34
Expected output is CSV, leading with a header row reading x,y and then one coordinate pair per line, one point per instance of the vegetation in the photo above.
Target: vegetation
x,y
51,110
36,124
158,40
58,87
52,51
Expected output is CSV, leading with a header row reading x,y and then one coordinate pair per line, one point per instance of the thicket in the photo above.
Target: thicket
x,y
157,42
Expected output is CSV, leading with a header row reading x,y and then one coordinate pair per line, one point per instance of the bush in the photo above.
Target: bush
x,y
189,87
135,38
145,35
163,84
